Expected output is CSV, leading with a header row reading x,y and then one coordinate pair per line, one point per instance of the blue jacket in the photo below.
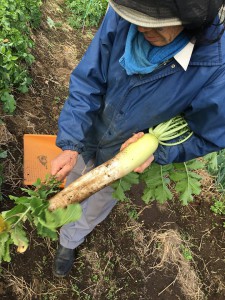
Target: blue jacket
x,y
106,106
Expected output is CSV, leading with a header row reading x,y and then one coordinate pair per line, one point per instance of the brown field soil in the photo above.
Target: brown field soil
x,y
165,252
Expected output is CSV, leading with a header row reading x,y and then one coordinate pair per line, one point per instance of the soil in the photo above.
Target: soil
x,y
169,252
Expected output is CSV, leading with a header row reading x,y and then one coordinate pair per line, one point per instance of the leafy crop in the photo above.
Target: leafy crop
x,y
33,208
86,13
161,181
16,19
216,167
219,170
123,185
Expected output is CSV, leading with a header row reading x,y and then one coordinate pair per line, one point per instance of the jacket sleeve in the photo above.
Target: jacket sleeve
x,y
88,84
206,118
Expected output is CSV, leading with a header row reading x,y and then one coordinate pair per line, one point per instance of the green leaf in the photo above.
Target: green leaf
x,y
20,200
5,242
12,215
23,88
162,193
119,193
148,196
50,22
123,185
195,164
36,203
212,164
9,102
187,183
46,219
67,215
3,154
57,218
13,58
132,178
19,237
31,193
186,195
157,182
177,176
46,232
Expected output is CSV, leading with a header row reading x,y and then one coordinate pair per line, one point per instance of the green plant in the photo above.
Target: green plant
x,y
123,185
216,167
33,208
161,181
132,213
95,277
86,13
50,23
220,172
75,289
218,207
16,20
186,252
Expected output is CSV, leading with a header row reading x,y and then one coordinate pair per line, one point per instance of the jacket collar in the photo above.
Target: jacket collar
x,y
205,54
184,56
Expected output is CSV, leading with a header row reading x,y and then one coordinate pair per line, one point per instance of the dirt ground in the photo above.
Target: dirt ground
x,y
166,252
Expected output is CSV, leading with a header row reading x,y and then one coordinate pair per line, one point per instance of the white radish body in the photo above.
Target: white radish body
x,y
123,163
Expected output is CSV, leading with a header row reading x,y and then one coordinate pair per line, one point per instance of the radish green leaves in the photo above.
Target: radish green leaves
x,y
33,209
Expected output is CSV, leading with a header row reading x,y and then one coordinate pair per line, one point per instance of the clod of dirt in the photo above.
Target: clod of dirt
x,y
5,135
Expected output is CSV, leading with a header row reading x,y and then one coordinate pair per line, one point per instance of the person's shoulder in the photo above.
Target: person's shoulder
x,y
113,23
112,15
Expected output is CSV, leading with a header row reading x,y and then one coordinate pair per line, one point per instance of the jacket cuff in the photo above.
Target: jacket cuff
x,y
68,146
167,154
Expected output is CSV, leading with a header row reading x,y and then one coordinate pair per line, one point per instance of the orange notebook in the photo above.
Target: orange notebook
x,y
39,150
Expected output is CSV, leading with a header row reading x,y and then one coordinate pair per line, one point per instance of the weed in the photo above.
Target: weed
x,y
50,23
186,252
95,278
107,279
86,13
218,207
44,260
56,100
75,289
111,294
133,214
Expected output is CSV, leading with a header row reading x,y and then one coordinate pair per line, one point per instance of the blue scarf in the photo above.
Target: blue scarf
x,y
140,57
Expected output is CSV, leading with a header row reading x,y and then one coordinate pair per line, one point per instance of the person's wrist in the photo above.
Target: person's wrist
x,y
72,152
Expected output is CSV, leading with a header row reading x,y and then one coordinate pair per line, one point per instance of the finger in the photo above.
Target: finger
x,y
62,173
55,168
65,159
131,140
60,176
145,165
57,164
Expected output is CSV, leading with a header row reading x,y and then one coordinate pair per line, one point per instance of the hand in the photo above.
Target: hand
x,y
131,140
63,164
